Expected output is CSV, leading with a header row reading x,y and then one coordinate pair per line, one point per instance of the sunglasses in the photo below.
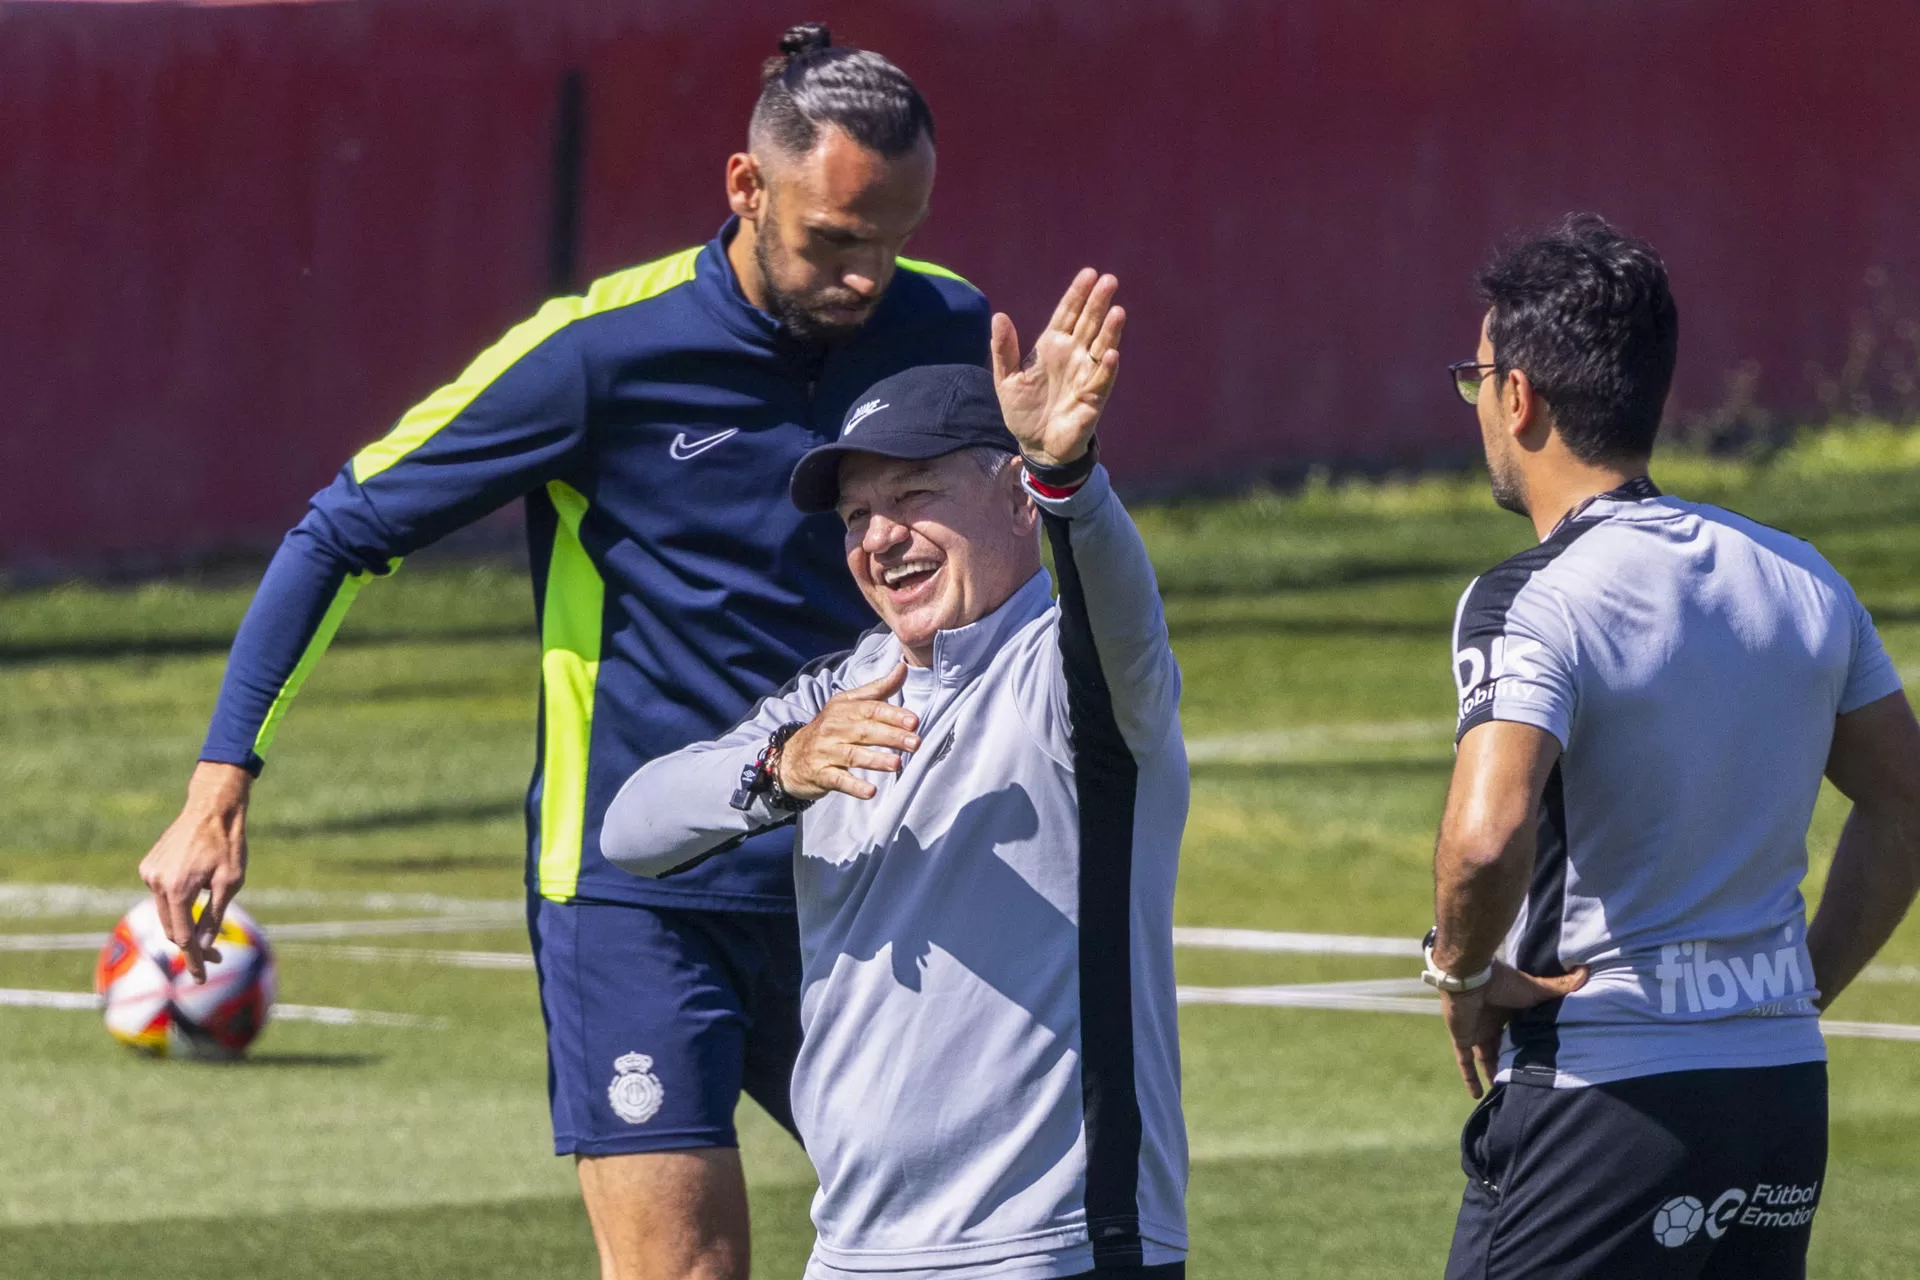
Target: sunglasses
x,y
1468,377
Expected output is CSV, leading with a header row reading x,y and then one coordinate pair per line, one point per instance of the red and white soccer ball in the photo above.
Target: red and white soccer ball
x,y
153,1003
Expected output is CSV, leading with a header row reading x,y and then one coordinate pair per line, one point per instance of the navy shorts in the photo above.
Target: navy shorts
x,y
658,1018
1689,1175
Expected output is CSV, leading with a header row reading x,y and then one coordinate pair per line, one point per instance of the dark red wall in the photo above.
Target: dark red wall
x,y
236,242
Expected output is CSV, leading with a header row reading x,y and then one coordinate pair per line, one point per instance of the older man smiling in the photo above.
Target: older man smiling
x,y
990,790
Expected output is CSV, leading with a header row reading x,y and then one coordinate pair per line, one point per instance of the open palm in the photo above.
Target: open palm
x,y
1052,401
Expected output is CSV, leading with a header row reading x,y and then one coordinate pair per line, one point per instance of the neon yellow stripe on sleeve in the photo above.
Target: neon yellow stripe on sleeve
x,y
322,637
569,670
422,422
933,269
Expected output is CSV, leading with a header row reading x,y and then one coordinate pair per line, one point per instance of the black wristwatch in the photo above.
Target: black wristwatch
x,y
1066,475
762,777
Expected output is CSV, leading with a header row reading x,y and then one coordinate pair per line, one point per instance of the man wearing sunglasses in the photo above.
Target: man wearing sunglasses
x,y
1648,701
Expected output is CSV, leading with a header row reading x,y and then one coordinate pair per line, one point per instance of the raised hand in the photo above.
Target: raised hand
x,y
1052,401
857,729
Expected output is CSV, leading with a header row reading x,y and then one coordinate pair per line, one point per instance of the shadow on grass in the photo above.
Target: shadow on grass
x,y
1893,612
500,1240
1255,578
257,1061
1194,628
1288,770
426,815
213,644
402,864
479,685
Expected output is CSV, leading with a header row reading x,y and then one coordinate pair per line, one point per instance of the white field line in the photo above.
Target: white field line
x,y
370,928
52,941
1281,745
1313,998
1315,944
306,929
1370,996
1344,944
1307,944
354,1017
21,998
1369,987
1373,997
1907,973
40,900
503,915
1869,1030
415,955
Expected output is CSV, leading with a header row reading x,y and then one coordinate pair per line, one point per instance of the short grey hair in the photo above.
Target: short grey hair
x,y
991,461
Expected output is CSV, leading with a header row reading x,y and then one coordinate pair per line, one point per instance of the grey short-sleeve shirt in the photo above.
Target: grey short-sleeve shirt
x,y
1690,662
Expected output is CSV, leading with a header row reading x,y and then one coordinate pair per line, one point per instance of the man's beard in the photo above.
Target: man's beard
x,y
800,324
1507,492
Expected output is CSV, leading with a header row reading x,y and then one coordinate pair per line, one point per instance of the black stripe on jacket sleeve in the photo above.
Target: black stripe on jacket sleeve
x,y
1106,779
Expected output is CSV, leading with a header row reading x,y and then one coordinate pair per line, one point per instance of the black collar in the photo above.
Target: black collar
x,y
1638,489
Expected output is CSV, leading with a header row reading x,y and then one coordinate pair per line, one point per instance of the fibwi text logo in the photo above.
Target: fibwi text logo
x,y
1688,971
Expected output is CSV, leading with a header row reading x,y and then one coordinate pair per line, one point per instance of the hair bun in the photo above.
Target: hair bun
x,y
805,38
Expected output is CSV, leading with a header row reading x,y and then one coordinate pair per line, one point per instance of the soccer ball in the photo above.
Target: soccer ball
x,y
153,1003
1676,1221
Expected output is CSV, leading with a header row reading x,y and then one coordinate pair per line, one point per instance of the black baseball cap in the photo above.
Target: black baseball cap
x,y
923,412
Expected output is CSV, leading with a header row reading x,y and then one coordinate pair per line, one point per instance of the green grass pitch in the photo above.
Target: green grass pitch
x,y
1312,632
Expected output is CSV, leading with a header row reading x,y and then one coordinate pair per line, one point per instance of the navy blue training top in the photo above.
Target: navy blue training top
x,y
650,425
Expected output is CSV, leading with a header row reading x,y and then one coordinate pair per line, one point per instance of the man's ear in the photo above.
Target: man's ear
x,y
1524,409
746,186
1026,514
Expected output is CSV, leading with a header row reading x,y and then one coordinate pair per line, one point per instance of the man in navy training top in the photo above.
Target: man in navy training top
x,y
1648,701
650,427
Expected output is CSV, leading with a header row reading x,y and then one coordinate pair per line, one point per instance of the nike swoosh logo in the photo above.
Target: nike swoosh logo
x,y
683,448
861,414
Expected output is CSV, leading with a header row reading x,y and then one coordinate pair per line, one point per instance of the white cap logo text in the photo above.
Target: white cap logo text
x,y
861,414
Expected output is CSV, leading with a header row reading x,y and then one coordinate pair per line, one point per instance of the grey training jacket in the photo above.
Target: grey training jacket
x,y
990,1070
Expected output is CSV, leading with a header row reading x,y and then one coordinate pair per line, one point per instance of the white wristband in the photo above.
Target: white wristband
x,y
1434,976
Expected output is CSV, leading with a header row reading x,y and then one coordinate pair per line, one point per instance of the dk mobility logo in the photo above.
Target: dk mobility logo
x,y
1477,675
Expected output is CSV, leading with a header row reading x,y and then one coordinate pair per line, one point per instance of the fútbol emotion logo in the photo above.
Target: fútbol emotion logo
x,y
1770,1206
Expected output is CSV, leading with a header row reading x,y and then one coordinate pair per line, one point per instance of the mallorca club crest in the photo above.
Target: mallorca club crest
x,y
635,1093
